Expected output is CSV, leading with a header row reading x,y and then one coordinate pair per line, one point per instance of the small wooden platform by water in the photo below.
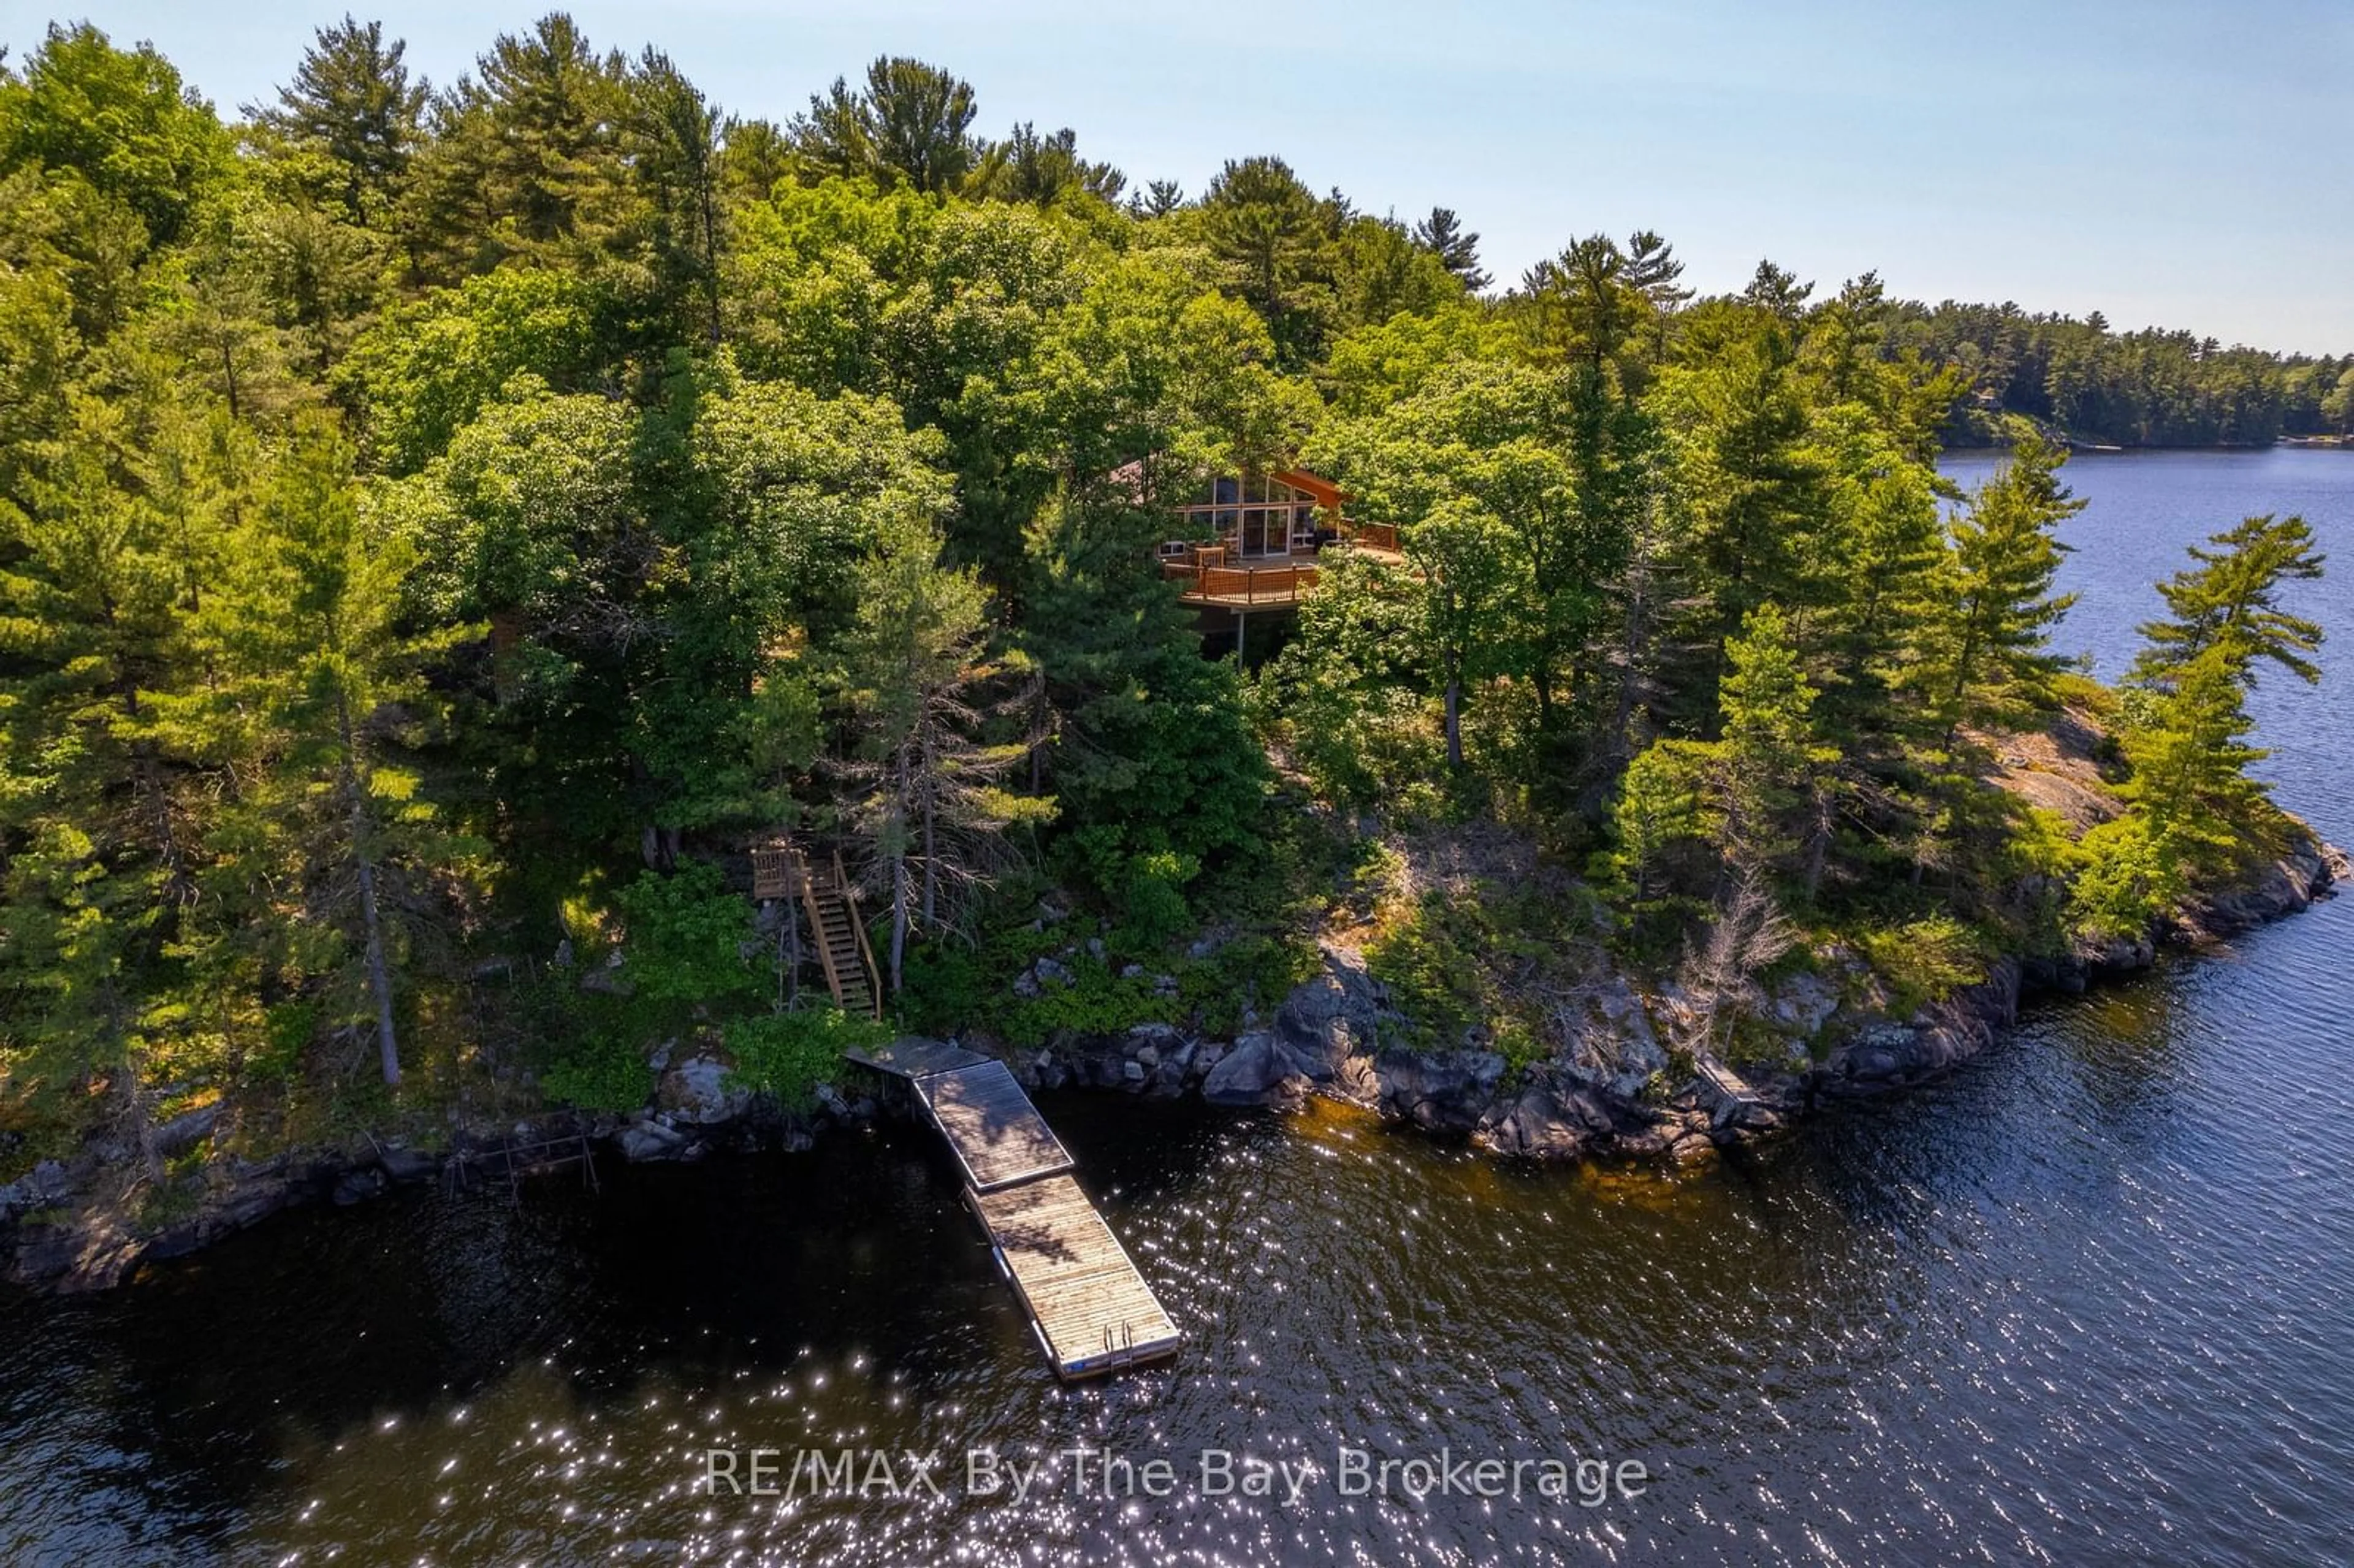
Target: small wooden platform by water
x,y
912,1058
1091,1309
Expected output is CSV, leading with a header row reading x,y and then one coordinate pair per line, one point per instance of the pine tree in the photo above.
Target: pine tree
x,y
2190,758
308,636
1029,167
526,160
1162,198
1994,663
915,678
1258,218
2190,752
1443,235
672,139
1770,793
98,821
352,99
1659,805
1754,487
2230,603
911,123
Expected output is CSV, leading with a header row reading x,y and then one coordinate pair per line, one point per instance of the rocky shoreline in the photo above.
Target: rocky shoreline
x,y
1608,1096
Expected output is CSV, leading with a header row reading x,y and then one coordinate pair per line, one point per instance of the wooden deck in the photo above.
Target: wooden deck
x,y
997,1135
1250,586
1216,580
1092,1311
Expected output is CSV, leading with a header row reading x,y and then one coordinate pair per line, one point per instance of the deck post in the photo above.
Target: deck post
x,y
1242,620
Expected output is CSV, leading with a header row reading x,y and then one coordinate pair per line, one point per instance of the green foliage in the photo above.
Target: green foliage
x,y
911,123
2129,879
1152,900
1993,665
1258,218
1659,811
686,936
412,519
1482,961
2151,387
1925,960
430,367
602,1069
2195,808
120,119
785,1055
1432,974
1253,972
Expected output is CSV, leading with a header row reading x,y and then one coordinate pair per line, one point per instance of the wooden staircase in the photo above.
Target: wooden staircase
x,y
781,870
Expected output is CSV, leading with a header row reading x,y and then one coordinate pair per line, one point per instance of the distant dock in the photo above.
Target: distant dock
x,y
1092,1311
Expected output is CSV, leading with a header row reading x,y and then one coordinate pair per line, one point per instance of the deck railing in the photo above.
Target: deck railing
x,y
1209,575
1246,586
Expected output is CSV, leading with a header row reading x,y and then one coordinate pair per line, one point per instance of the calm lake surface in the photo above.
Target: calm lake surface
x,y
2087,1300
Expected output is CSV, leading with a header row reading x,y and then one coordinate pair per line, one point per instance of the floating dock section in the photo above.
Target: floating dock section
x,y
1091,1309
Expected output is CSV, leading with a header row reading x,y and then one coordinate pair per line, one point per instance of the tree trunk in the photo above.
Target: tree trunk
x,y
1967,657
1818,837
1622,718
710,255
1455,723
379,975
900,895
898,917
132,1083
931,876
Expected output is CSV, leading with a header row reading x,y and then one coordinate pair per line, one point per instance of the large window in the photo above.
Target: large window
x,y
1253,515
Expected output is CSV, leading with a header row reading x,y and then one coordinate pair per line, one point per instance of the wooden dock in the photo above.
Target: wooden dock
x,y
1092,1311
997,1135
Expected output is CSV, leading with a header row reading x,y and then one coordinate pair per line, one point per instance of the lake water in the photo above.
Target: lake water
x,y
2087,1300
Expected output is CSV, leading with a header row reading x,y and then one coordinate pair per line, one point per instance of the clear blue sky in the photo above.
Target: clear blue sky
x,y
2182,164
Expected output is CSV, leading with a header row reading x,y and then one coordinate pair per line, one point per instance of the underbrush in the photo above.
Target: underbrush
x,y
1232,948
787,1055
1925,960
1481,964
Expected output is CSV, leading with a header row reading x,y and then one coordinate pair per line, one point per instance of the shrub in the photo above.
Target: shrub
x,y
1251,972
1152,900
787,1055
686,936
1433,981
2128,880
1925,960
600,1072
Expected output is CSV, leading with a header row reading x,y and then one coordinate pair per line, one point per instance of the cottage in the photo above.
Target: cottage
x,y
1253,540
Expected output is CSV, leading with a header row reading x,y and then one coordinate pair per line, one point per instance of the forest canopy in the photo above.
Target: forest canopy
x,y
441,521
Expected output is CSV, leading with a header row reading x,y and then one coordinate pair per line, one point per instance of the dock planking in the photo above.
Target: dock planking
x,y
1091,1309
997,1135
